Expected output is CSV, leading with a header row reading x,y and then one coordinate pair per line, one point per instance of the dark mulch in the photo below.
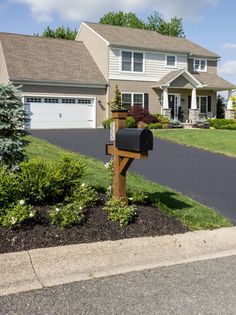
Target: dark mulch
x,y
150,221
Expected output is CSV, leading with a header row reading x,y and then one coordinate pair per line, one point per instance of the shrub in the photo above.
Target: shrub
x,y
228,127
202,124
220,123
118,211
69,172
67,215
143,115
9,188
15,215
12,120
138,197
45,181
155,126
162,119
107,122
85,196
130,122
175,124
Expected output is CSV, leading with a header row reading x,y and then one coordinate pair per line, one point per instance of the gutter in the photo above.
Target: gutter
x,y
57,83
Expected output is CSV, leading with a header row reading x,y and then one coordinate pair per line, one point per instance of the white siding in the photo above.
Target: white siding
x,y
155,68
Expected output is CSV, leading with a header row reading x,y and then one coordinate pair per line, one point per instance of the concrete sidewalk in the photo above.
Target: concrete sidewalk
x,y
35,269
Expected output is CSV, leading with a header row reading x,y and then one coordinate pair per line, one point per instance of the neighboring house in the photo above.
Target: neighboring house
x,y
67,84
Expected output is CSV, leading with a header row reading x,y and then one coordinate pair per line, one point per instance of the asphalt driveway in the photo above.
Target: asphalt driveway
x,y
207,177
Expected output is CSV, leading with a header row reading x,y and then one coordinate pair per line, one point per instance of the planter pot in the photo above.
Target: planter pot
x,y
119,114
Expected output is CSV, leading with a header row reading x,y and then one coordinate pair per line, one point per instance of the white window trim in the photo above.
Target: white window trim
x,y
194,65
176,62
132,97
200,96
132,61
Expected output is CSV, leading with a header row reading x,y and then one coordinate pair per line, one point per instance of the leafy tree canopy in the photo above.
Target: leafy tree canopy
x,y
60,32
154,22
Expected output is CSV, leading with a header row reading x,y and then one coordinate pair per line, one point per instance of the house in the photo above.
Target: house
x,y
67,84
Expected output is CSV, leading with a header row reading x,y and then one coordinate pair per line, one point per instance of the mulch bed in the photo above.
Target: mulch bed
x,y
150,221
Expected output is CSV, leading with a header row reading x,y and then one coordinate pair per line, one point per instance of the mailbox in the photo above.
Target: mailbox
x,y
134,139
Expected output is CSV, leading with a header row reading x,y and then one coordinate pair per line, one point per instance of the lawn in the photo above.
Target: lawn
x,y
215,140
191,213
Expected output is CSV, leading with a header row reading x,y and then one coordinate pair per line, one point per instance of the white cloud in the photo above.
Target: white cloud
x,y
228,68
229,46
77,10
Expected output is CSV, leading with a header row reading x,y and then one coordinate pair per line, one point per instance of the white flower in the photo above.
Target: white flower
x,y
107,165
13,220
80,208
131,198
57,209
31,215
22,202
83,185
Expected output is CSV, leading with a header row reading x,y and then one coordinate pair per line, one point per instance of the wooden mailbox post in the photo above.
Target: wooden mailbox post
x,y
122,158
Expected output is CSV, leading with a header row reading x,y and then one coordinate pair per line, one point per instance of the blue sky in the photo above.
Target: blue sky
x,y
210,23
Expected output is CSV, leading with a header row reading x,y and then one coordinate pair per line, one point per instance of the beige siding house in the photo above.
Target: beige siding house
x,y
67,84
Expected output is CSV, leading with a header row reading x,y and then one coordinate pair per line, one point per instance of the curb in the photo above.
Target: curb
x,y
39,268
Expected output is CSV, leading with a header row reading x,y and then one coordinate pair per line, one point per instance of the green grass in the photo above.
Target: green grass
x,y
218,141
191,213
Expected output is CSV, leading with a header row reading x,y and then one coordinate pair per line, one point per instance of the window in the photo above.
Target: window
x,y
51,100
132,61
126,61
84,101
133,99
33,100
200,65
68,101
171,61
202,104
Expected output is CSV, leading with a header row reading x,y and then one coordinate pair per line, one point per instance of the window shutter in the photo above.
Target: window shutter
x,y
189,101
209,103
146,96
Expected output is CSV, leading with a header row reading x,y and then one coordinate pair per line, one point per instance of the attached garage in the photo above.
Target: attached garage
x,y
61,113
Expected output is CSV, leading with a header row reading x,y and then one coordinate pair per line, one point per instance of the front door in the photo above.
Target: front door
x,y
174,105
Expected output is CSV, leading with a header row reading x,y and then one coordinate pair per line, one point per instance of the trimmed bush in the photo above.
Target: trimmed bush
x,y
118,211
42,181
221,123
10,189
12,120
175,124
130,122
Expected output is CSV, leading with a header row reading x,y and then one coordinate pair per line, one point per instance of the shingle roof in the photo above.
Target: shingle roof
x,y
209,80
171,75
213,81
48,59
144,39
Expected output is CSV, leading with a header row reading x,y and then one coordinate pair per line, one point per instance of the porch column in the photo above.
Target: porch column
x,y
166,111
229,112
193,111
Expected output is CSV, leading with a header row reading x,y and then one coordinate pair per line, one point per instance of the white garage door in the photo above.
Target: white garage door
x,y
61,113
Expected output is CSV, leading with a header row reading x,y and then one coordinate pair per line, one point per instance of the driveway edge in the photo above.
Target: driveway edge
x,y
37,268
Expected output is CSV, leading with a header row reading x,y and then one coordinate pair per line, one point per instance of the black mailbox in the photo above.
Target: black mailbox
x,y
134,139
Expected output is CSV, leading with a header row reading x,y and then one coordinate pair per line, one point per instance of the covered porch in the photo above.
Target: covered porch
x,y
191,97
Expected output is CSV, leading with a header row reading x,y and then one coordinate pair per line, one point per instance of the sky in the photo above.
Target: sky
x,y
210,23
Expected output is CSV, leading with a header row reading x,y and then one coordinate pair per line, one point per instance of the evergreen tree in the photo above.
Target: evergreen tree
x,y
12,120
220,107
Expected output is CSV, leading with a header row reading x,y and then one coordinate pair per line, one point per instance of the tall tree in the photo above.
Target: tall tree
x,y
172,28
122,19
60,32
155,22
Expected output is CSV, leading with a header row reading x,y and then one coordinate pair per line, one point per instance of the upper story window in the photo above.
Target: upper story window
x,y
132,61
200,65
171,61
